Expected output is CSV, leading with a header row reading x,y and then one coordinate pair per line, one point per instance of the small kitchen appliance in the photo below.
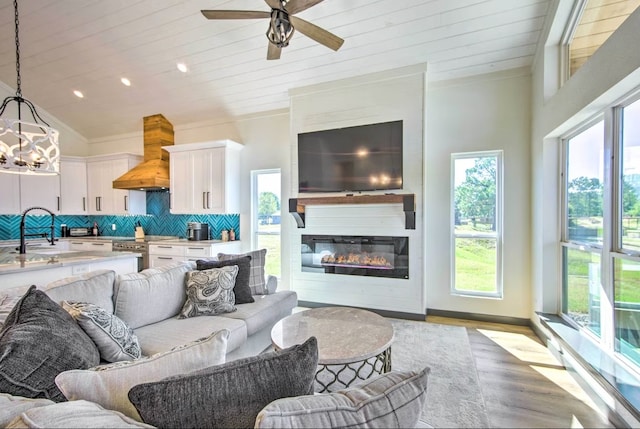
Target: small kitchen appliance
x,y
197,231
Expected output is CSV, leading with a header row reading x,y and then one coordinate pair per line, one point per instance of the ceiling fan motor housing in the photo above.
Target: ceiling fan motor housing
x,y
280,29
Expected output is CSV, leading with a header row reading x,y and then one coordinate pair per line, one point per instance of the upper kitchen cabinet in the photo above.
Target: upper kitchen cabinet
x,y
40,191
205,177
9,193
73,186
102,170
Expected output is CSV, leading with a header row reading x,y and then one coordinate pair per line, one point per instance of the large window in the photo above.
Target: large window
x,y
477,224
601,229
266,217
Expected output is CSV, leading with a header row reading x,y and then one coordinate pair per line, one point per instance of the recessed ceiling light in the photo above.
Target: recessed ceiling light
x,y
125,81
182,67
78,94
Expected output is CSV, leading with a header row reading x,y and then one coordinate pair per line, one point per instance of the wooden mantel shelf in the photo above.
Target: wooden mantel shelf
x,y
297,205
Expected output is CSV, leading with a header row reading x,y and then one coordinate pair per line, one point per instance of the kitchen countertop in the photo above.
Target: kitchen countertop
x,y
183,241
38,259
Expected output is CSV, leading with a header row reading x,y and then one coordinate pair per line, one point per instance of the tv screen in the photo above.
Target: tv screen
x,y
361,158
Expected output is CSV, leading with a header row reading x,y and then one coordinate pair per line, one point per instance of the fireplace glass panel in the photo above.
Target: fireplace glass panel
x,y
378,256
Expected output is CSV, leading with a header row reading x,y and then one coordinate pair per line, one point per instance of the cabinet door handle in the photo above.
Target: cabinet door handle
x,y
98,244
58,203
84,203
164,257
165,247
97,204
125,203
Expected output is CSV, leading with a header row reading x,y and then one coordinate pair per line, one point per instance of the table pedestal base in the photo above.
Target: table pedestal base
x,y
332,377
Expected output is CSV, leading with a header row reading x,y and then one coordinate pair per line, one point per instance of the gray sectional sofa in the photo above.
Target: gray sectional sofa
x,y
213,360
149,301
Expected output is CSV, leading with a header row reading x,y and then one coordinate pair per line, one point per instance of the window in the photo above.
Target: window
x,y
477,224
601,230
592,23
266,216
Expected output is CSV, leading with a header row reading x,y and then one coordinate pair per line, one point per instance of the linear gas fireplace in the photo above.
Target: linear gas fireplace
x,y
378,256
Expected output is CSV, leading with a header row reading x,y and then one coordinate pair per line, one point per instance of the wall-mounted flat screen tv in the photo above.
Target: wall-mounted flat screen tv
x,y
352,159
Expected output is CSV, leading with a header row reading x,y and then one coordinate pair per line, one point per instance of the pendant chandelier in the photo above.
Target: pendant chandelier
x,y
26,147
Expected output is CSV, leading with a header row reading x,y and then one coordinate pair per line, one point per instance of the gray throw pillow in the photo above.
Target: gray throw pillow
x,y
39,340
241,289
113,337
391,400
229,395
257,281
210,292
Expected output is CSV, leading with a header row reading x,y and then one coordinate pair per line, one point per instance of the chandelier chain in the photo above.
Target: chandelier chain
x,y
17,23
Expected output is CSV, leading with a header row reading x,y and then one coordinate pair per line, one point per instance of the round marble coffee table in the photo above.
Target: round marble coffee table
x,y
353,344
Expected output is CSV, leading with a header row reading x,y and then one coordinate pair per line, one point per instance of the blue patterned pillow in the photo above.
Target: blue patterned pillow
x,y
113,337
210,292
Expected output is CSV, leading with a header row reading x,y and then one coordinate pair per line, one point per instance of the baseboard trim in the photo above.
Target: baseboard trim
x,y
383,313
479,317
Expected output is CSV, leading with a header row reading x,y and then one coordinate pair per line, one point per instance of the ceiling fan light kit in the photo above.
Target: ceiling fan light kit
x,y
282,24
26,147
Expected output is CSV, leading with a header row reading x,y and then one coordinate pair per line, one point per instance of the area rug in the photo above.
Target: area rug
x,y
454,397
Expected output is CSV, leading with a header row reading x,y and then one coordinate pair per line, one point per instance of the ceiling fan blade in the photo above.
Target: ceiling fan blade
x,y
235,14
273,4
273,52
316,33
295,6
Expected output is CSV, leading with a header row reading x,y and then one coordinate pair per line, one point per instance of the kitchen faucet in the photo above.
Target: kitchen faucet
x,y
23,246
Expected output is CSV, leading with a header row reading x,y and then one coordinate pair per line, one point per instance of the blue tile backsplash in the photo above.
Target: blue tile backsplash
x,y
157,221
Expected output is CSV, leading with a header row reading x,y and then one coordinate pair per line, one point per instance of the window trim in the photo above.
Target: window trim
x,y
498,235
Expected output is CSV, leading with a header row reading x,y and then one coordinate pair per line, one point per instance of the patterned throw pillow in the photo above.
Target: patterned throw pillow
x,y
38,341
113,337
391,400
257,281
241,290
210,292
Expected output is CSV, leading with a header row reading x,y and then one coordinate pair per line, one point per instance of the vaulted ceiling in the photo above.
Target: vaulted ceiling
x,y
89,45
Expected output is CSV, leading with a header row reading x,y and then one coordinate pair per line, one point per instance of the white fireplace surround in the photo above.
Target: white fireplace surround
x,y
379,98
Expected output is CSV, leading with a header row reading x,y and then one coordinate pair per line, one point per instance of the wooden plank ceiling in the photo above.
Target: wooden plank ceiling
x,y
599,20
89,45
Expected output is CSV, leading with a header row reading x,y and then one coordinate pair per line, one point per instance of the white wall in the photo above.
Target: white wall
x,y
380,97
490,112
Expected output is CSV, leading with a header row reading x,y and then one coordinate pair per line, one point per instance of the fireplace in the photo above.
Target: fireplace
x,y
378,256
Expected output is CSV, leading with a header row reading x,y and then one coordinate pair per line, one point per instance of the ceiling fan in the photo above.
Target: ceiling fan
x,y
282,24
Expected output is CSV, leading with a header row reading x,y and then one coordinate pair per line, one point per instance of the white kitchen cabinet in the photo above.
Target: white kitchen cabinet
x,y
9,193
39,191
90,246
205,177
73,186
167,253
103,199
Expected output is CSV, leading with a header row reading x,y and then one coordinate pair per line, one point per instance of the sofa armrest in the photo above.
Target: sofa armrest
x,y
272,284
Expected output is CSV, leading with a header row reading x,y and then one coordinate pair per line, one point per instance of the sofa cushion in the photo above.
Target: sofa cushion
x,y
163,336
257,281
265,311
391,400
151,295
74,414
95,287
108,385
38,341
12,406
113,337
210,292
229,395
241,289
6,305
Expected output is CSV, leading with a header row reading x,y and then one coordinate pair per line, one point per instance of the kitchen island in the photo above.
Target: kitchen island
x,y
42,266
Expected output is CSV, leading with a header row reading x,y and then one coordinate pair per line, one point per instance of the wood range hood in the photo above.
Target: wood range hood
x,y
153,172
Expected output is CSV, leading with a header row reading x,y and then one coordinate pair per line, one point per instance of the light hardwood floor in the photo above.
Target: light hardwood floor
x,y
523,384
